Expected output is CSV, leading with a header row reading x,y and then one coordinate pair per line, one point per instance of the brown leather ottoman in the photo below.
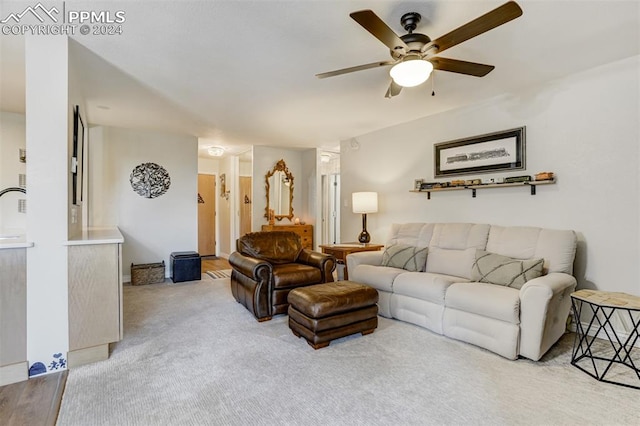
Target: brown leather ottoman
x,y
324,312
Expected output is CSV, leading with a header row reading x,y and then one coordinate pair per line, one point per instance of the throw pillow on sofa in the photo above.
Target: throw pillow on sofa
x,y
502,270
404,256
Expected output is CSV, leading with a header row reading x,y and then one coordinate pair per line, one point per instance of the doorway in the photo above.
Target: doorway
x,y
331,208
206,215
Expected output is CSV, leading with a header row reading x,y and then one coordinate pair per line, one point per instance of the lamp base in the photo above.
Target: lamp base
x,y
364,237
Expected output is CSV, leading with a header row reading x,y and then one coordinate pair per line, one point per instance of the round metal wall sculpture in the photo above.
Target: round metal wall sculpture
x,y
150,180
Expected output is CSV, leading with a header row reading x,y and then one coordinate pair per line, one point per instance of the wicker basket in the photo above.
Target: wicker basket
x,y
147,273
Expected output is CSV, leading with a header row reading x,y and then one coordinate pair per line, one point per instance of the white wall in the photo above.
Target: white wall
x,y
585,128
47,136
153,228
12,139
208,166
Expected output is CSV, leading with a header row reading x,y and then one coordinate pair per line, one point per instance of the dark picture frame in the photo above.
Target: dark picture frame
x,y
77,163
498,151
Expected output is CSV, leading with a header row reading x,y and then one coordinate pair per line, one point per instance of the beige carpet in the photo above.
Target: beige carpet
x,y
191,355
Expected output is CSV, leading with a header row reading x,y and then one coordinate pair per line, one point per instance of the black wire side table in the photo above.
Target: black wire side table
x,y
588,353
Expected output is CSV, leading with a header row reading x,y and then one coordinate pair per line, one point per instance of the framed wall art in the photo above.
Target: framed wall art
x,y
77,163
499,151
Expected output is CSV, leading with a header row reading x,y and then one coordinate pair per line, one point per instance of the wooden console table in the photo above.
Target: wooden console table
x,y
341,251
602,305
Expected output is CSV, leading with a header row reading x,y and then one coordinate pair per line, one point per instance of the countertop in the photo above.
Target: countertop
x,y
20,241
97,236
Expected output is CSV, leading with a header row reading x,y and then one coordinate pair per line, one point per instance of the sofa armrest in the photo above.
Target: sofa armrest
x,y
364,258
250,266
325,262
545,304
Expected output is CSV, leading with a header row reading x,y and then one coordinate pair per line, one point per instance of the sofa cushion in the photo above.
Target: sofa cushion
x,y
415,234
459,236
488,300
451,262
290,275
556,247
502,270
378,277
406,257
275,247
424,285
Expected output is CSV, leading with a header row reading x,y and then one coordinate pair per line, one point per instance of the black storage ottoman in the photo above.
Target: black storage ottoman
x,y
185,266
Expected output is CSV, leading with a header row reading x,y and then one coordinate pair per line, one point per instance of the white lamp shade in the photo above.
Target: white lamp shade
x,y
411,73
364,202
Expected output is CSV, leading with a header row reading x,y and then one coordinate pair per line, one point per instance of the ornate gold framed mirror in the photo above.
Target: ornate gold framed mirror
x,y
279,186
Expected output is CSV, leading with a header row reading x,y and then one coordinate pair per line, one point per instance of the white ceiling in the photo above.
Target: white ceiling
x,y
241,73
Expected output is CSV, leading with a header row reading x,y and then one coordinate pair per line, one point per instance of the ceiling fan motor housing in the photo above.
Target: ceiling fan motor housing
x,y
415,42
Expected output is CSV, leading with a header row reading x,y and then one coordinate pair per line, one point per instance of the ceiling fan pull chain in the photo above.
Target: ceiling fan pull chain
x,y
433,84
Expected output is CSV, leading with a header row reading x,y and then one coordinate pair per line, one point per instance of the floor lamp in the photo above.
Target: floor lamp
x,y
364,202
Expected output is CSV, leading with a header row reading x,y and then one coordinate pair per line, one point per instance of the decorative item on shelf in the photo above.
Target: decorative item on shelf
x,y
296,221
514,179
417,184
544,176
457,182
272,217
364,202
426,185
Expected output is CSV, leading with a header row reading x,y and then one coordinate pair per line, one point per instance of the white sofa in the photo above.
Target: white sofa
x,y
509,321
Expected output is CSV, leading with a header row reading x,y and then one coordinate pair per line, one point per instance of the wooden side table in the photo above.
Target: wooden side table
x,y
603,305
341,251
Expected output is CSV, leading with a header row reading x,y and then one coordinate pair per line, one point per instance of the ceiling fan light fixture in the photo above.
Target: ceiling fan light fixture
x,y
215,151
411,72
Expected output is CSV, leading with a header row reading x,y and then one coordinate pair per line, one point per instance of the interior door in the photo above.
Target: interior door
x,y
245,204
206,215
330,208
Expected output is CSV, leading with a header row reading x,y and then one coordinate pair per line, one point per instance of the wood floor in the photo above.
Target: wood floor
x,y
36,402
32,402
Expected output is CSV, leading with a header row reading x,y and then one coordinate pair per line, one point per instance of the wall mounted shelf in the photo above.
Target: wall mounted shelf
x,y
532,185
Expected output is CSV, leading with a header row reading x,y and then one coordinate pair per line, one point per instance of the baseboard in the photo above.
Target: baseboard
x,y
14,373
87,355
601,335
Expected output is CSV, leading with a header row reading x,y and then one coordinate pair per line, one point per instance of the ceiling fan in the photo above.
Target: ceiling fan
x,y
414,54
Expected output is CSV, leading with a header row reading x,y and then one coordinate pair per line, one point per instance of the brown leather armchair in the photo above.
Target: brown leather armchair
x,y
268,265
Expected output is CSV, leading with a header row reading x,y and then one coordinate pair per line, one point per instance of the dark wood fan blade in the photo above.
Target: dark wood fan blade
x,y
393,90
356,68
461,67
488,21
376,26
